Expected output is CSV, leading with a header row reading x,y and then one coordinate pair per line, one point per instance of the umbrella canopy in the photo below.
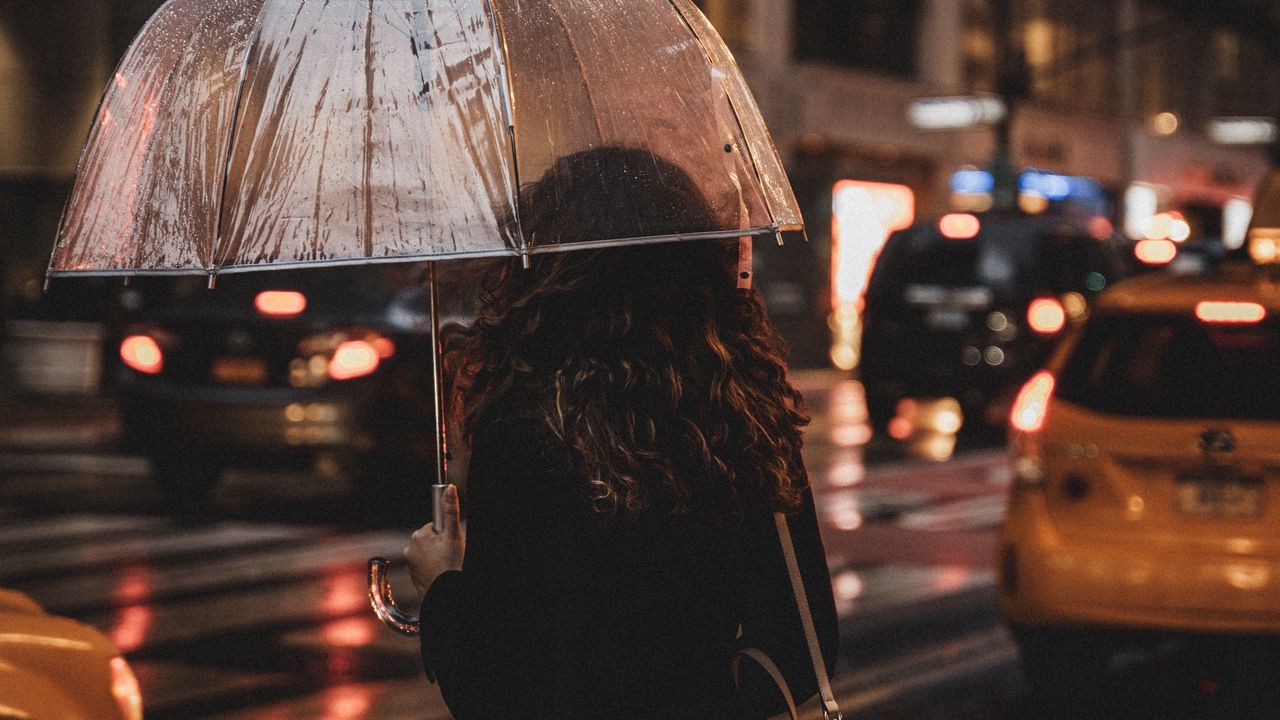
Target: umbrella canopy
x,y
249,134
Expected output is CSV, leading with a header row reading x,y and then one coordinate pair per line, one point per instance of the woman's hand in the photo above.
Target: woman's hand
x,y
429,554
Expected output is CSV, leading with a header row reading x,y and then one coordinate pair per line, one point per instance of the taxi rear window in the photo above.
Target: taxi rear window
x,y
1175,366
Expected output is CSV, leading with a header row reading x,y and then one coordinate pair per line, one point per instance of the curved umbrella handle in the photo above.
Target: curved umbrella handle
x,y
380,597
384,603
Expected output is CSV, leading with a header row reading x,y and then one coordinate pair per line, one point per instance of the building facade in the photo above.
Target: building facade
x,y
1118,98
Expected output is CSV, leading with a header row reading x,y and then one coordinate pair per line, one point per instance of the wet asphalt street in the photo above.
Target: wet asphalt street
x,y
258,611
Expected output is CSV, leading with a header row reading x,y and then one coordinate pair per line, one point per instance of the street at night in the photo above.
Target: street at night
x,y
518,295
259,611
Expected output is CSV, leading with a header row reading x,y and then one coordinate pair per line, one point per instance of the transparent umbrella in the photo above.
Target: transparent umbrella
x,y
241,135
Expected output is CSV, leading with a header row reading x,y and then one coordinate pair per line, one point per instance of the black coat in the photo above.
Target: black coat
x,y
553,618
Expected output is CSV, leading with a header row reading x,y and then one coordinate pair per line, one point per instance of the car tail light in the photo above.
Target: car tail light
x,y
124,686
1155,252
353,359
280,303
959,226
384,346
1046,315
1031,408
142,353
1230,312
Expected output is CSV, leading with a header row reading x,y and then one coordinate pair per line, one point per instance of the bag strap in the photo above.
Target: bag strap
x,y
765,662
830,710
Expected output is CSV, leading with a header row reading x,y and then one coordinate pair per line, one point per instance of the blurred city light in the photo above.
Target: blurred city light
x,y
142,353
1242,130
1155,252
1046,315
1032,404
1141,203
1236,214
863,215
953,113
1222,311
959,226
280,303
1264,245
1165,123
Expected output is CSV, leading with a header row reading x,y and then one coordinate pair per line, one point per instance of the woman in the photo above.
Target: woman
x,y
632,430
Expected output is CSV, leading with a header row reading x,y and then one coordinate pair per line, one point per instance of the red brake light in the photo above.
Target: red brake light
x,y
353,359
959,226
142,353
385,347
1032,405
1155,252
280,303
1230,312
1046,315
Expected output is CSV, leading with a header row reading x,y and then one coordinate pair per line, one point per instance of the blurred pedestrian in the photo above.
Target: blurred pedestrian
x,y
632,430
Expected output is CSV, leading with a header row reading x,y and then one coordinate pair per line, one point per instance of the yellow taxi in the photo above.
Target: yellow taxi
x,y
1147,474
53,668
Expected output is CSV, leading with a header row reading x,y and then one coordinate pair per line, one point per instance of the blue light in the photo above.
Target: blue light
x,y
1059,187
974,182
1054,187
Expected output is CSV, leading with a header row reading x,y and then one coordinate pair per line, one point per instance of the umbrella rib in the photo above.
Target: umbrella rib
x,y
508,98
102,101
231,140
582,70
733,107
368,132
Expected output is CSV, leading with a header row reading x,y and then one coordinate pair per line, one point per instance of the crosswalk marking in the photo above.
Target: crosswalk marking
x,y
974,513
178,543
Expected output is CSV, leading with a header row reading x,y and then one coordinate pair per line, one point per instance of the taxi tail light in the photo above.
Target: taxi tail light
x,y
959,226
280,303
1216,311
1155,252
124,686
353,359
1046,315
1031,407
142,353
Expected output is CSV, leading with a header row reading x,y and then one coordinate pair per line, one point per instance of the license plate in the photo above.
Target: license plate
x,y
1219,494
239,371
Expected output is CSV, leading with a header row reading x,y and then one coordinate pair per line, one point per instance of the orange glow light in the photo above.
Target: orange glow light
x,y
1230,312
863,214
1155,252
142,353
280,303
124,686
385,347
1046,315
1032,405
1100,228
353,359
959,226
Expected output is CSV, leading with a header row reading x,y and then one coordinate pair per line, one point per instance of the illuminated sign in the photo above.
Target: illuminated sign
x,y
953,113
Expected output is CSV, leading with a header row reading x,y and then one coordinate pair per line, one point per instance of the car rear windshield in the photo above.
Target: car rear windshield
x,y
1175,366
1012,257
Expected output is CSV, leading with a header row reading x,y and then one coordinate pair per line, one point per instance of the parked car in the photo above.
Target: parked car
x,y
276,369
961,309
1146,458
54,667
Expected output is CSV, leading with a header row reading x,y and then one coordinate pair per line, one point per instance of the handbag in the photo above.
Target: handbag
x,y
830,710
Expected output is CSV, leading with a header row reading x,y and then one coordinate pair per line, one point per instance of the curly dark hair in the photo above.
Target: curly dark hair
x,y
665,381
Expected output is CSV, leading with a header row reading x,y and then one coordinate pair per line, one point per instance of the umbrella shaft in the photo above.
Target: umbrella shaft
x,y
437,380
